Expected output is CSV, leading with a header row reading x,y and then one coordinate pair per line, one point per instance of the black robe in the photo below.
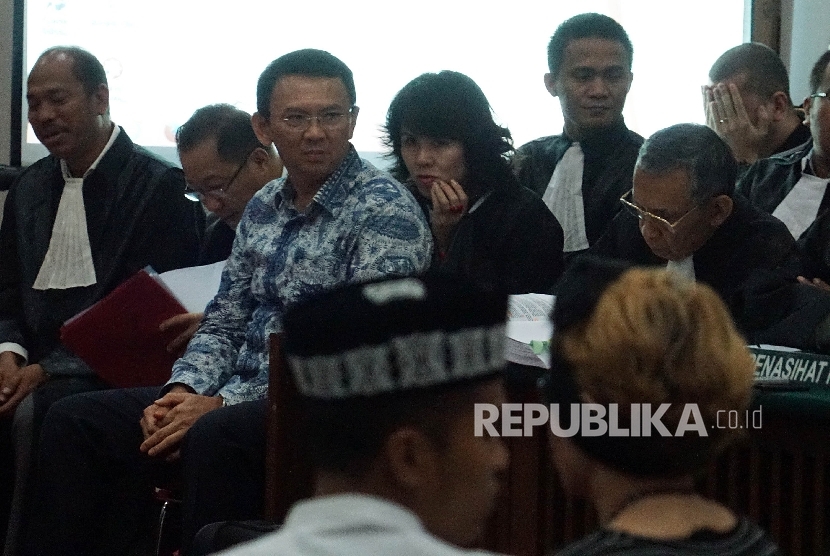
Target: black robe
x,y
511,242
218,241
136,214
799,136
610,157
767,182
752,262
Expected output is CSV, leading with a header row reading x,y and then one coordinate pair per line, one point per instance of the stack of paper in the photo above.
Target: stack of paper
x,y
529,329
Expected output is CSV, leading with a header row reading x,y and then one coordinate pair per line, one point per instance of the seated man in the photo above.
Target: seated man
x,y
582,173
224,165
683,213
627,338
78,223
793,185
334,219
748,103
389,374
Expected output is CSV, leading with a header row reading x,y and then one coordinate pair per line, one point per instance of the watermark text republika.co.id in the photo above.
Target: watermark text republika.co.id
x,y
592,419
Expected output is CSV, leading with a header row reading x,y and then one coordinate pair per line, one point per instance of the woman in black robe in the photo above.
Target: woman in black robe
x,y
454,157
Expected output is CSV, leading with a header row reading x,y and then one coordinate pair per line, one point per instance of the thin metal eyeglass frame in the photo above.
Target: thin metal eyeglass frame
x,y
309,117
642,214
219,192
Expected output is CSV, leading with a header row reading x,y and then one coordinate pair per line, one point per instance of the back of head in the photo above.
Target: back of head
x,y
584,26
85,66
764,70
230,126
450,105
697,149
817,73
370,358
636,336
309,62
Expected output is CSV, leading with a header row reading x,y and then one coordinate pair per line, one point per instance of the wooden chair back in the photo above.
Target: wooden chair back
x,y
288,475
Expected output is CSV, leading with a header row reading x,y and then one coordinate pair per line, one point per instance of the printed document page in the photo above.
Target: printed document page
x,y
194,286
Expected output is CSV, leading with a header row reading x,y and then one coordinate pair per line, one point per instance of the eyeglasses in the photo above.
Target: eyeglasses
x,y
330,120
219,192
643,214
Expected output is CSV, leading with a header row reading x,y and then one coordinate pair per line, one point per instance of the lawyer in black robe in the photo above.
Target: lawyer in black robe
x,y
767,182
137,215
509,242
610,156
752,262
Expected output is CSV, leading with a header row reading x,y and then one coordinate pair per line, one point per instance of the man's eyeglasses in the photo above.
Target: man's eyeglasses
x,y
643,214
330,120
219,192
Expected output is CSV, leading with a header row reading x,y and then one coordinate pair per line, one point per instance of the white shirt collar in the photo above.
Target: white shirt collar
x,y
65,167
347,511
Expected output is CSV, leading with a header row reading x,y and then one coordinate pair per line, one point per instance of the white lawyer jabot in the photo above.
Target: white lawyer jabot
x,y
68,262
563,197
684,268
799,209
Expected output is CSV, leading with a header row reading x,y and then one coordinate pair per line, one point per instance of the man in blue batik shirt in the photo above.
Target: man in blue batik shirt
x,y
335,219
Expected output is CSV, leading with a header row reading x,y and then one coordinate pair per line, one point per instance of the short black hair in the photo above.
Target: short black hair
x,y
450,105
85,66
699,151
346,436
817,73
585,26
232,128
765,72
310,62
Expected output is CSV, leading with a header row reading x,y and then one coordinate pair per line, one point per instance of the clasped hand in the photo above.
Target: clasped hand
x,y
165,422
17,382
449,204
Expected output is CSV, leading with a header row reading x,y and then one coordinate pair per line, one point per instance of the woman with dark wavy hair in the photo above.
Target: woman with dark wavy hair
x,y
454,157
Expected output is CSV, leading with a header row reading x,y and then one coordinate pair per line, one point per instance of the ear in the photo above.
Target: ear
x,y
723,206
551,85
412,458
781,106
101,97
259,157
261,128
807,104
353,120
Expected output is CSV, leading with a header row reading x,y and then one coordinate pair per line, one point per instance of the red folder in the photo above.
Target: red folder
x,y
119,336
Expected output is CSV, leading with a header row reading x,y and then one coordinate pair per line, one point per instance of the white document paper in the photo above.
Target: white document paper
x,y
194,286
530,306
528,320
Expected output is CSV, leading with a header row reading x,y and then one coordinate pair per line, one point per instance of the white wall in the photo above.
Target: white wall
x,y
804,37
6,12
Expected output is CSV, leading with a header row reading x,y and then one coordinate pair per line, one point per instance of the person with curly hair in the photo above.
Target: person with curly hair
x,y
629,337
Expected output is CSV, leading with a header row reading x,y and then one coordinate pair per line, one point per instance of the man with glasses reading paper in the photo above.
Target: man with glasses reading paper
x,y
335,219
224,165
683,213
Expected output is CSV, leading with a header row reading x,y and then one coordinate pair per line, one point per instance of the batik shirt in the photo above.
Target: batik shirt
x,y
361,224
